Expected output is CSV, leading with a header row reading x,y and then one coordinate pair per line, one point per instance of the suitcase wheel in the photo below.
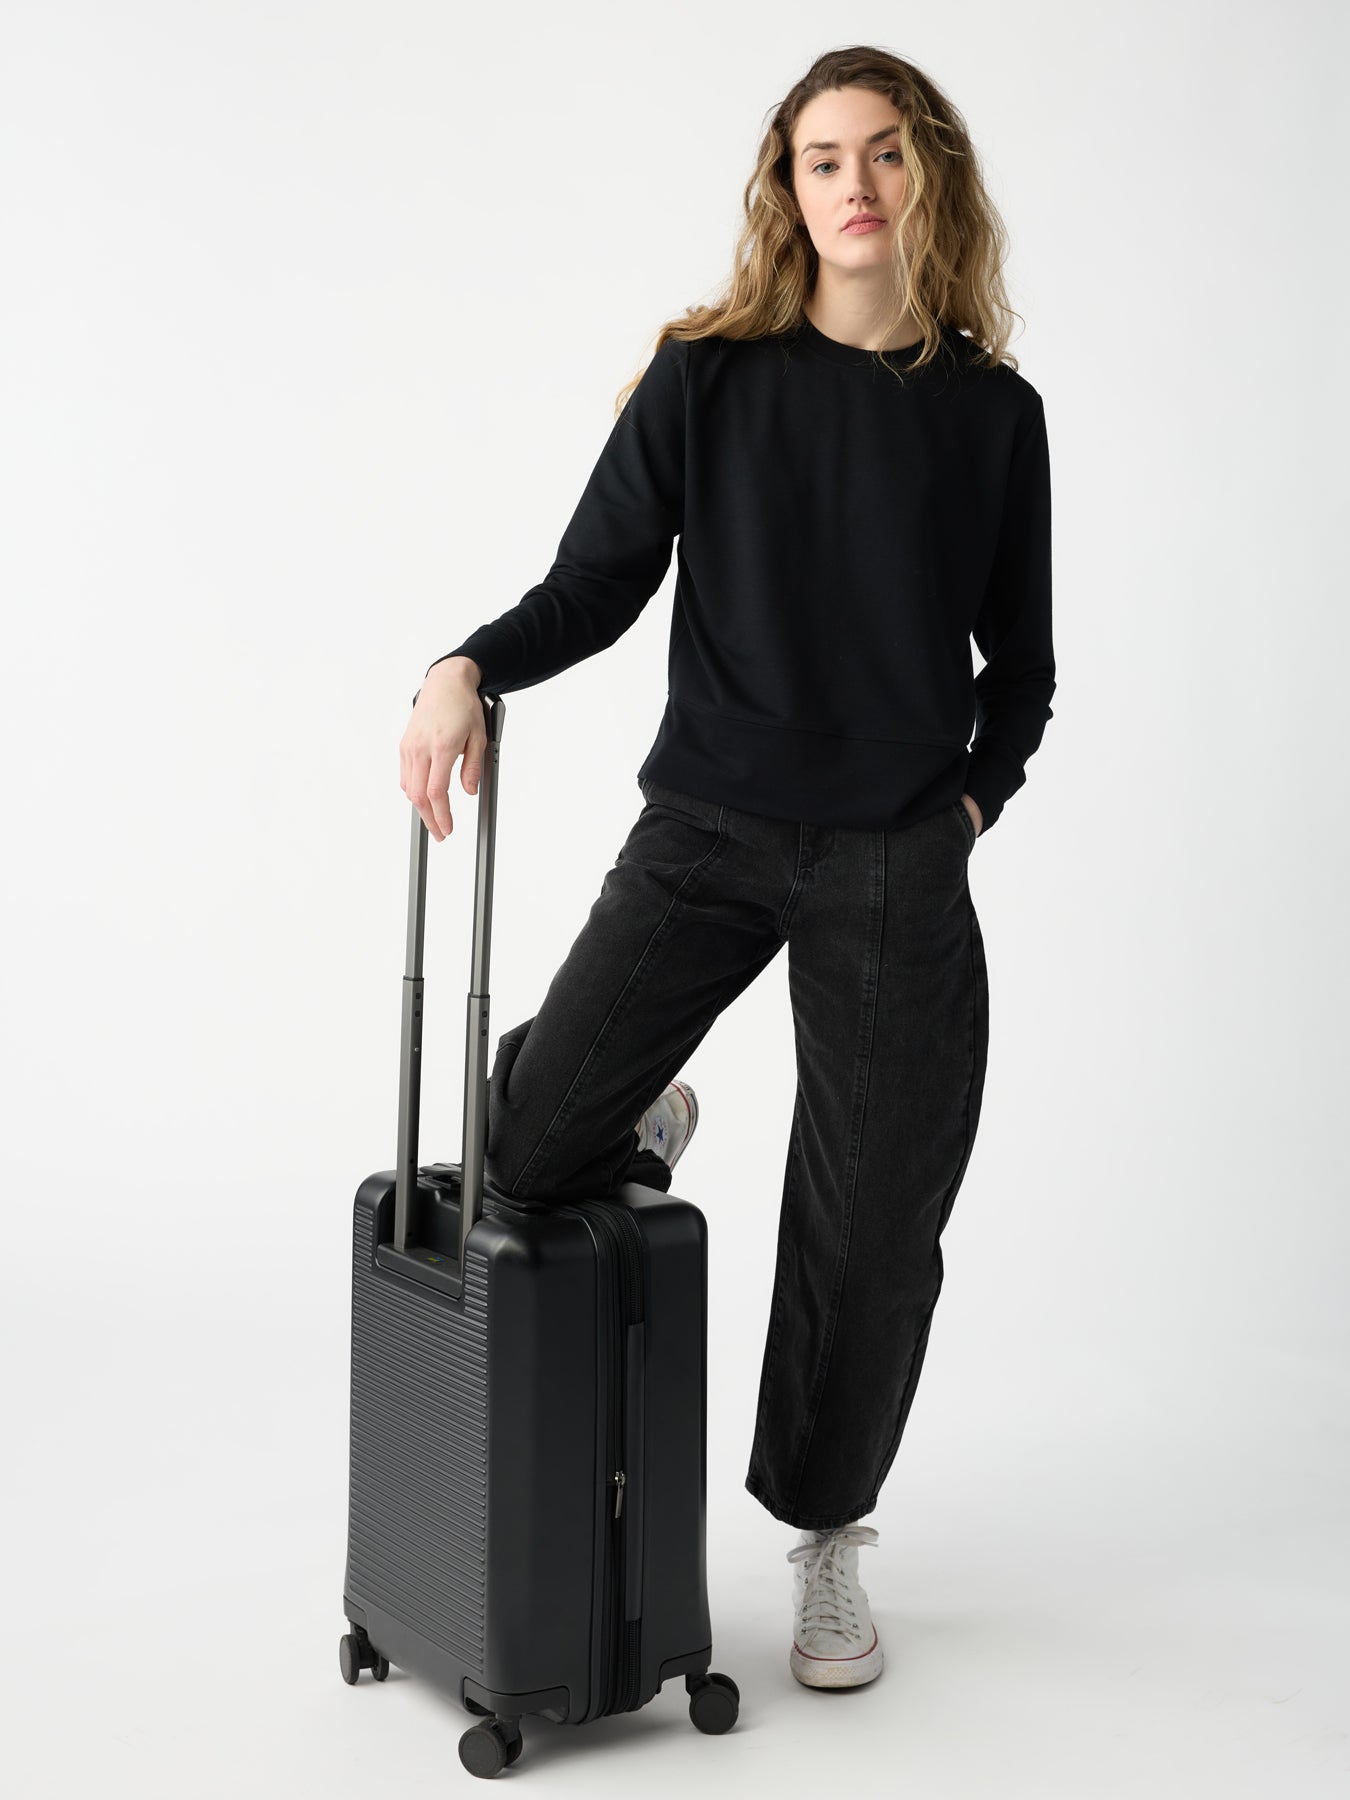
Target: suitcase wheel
x,y
489,1748
714,1701
356,1652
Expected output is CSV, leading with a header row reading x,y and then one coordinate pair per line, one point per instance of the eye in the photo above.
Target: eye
x,y
828,165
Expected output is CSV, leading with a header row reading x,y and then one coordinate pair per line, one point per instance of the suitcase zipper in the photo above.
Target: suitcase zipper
x,y
621,1640
620,1646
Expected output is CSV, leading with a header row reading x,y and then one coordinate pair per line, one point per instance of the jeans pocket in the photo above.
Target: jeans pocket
x,y
968,822
707,813
675,834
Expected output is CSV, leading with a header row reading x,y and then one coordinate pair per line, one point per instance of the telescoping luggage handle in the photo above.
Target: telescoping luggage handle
x,y
429,1263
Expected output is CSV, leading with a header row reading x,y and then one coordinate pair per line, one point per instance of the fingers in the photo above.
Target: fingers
x,y
424,774
417,776
436,809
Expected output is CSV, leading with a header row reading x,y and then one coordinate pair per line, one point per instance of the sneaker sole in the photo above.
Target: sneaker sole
x,y
838,1671
691,1101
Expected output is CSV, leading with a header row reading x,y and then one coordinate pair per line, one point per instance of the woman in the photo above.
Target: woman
x,y
859,481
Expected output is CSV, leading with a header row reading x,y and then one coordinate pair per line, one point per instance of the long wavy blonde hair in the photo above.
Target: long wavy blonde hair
x,y
948,249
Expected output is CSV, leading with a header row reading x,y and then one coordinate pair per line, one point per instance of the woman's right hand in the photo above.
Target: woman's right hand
x,y
446,722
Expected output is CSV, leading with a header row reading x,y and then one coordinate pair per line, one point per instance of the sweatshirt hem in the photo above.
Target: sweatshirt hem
x,y
815,778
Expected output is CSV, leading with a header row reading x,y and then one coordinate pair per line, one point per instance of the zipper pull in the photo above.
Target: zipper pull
x,y
619,1482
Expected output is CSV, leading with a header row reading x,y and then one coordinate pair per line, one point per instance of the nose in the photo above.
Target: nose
x,y
860,191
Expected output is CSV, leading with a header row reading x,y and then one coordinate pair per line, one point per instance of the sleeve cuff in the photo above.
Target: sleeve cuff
x,y
992,778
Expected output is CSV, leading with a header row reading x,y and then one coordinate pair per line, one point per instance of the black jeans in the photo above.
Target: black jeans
x,y
890,1006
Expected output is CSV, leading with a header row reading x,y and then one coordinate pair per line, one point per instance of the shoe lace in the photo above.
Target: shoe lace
x,y
827,1603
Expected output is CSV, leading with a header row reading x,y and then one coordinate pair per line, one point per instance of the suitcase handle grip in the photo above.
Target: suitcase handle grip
x,y
476,1031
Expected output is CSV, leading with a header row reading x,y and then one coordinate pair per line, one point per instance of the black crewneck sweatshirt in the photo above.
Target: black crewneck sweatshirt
x,y
841,537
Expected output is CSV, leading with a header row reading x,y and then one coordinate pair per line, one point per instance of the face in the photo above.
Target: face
x,y
846,161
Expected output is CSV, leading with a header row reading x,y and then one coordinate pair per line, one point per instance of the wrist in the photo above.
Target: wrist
x,y
459,668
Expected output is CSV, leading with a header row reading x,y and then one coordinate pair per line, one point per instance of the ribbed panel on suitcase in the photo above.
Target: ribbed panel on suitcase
x,y
419,1451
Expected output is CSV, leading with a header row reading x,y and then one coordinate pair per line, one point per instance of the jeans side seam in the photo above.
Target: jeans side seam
x,y
861,1086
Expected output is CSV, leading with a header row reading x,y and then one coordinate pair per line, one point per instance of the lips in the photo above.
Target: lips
x,y
860,219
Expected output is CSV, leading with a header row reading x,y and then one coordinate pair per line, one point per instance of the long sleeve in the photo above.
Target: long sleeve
x,y
1013,631
615,551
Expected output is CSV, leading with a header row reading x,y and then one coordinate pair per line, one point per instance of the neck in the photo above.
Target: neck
x,y
851,313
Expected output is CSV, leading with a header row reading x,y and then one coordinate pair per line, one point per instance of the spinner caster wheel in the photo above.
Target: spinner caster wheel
x,y
714,1701
356,1652
349,1658
489,1748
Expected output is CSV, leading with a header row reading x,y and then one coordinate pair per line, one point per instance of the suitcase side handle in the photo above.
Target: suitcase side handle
x,y
426,1265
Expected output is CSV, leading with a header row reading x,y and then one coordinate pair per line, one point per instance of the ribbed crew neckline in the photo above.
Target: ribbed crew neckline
x,y
851,355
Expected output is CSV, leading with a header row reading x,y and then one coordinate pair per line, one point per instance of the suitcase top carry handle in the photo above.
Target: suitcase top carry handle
x,y
426,1264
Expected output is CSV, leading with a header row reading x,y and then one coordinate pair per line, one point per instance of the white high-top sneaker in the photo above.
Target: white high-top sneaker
x,y
834,1642
668,1123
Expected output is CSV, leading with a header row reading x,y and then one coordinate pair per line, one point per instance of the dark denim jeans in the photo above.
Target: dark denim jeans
x,y
890,1006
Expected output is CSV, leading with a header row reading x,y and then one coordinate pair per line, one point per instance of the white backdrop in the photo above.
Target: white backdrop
x,y
314,315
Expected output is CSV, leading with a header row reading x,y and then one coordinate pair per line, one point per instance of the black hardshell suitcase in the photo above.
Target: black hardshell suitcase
x,y
528,1445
